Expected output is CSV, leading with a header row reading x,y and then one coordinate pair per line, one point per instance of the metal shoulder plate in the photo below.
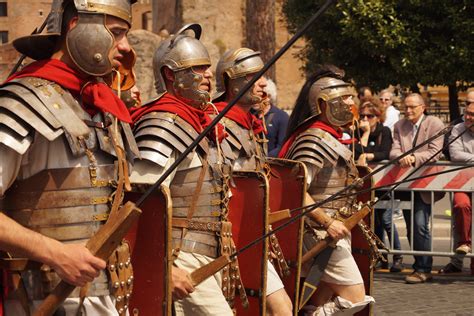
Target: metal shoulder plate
x,y
238,137
158,134
31,105
317,147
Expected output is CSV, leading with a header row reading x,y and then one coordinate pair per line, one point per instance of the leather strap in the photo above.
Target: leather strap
x,y
197,192
196,225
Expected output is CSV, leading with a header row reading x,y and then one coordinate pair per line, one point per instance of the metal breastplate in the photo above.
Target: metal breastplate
x,y
201,235
249,149
332,159
69,203
330,180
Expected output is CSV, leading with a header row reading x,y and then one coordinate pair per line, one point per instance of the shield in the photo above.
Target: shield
x,y
287,189
248,214
150,243
360,247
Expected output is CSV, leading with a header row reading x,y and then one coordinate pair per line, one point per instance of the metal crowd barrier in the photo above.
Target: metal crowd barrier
x,y
447,183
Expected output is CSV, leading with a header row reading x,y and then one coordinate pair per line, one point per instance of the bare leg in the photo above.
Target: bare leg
x,y
354,293
279,304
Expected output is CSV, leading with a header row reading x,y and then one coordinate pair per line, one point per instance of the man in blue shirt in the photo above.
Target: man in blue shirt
x,y
276,121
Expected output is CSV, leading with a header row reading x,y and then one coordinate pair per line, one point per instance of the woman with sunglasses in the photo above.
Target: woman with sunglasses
x,y
374,144
374,140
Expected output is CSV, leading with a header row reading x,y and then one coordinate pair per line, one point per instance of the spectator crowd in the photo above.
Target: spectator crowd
x,y
382,134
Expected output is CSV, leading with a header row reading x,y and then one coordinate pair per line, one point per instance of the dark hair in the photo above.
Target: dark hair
x,y
302,110
69,13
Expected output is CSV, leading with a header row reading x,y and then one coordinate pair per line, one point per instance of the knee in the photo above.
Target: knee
x,y
279,304
358,294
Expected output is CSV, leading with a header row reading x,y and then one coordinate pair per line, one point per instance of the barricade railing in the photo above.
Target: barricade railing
x,y
431,187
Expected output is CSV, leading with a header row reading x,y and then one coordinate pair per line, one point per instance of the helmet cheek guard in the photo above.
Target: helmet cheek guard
x,y
187,84
232,71
91,54
338,112
89,43
249,98
180,53
333,91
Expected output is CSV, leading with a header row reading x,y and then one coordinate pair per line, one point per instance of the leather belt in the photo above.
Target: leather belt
x,y
195,247
196,225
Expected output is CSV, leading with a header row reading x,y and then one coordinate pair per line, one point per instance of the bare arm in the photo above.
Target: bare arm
x,y
336,229
73,262
181,284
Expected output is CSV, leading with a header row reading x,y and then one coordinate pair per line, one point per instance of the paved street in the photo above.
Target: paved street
x,y
445,295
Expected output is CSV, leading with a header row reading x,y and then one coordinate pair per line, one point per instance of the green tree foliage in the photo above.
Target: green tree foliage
x,y
382,42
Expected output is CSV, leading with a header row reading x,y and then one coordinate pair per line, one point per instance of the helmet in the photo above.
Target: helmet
x,y
234,66
88,43
332,91
180,52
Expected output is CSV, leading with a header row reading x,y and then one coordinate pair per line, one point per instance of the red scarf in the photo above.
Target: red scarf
x,y
245,119
197,118
313,124
97,96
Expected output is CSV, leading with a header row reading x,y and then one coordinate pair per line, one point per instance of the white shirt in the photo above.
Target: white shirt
x,y
392,117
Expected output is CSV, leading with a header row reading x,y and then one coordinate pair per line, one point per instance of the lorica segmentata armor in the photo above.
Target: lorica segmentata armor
x,y
68,177
333,161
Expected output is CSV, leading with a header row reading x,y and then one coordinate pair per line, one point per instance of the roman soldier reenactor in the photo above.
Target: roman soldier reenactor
x,y
65,148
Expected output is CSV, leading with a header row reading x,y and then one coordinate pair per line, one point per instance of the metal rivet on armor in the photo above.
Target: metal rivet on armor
x,y
224,288
119,298
281,260
239,286
225,279
121,265
127,264
112,267
98,57
279,253
233,286
234,268
225,269
120,311
56,106
238,277
127,296
129,281
125,307
181,86
122,283
132,278
116,285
